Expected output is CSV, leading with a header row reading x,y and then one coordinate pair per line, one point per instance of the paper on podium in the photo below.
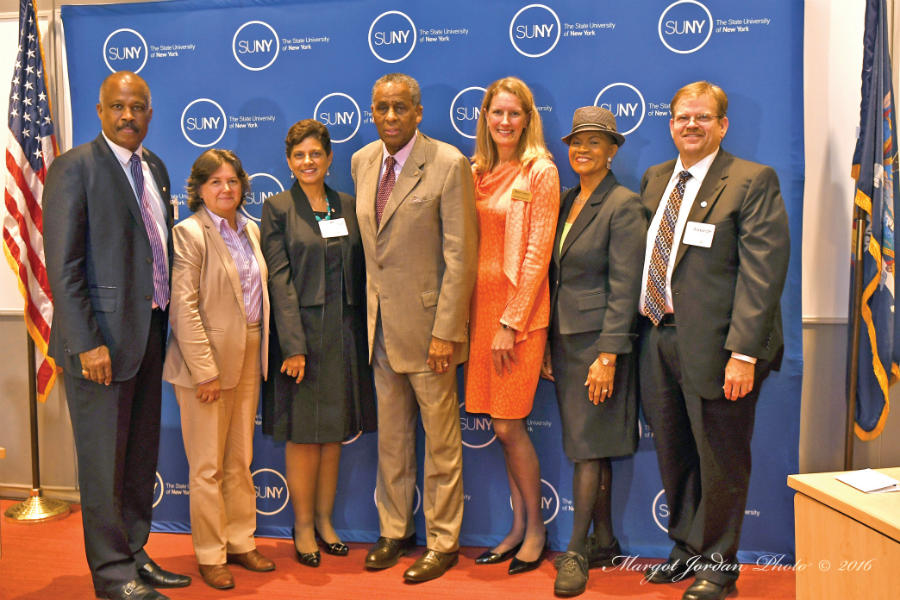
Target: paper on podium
x,y
869,481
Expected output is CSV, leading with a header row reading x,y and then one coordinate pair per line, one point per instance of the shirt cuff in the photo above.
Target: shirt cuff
x,y
743,357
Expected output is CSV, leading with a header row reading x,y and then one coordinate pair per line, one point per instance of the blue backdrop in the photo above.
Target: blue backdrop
x,y
236,75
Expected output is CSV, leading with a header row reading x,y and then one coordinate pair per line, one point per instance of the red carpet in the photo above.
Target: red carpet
x,y
46,562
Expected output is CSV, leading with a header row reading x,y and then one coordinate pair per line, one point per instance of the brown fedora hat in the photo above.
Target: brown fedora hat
x,y
594,118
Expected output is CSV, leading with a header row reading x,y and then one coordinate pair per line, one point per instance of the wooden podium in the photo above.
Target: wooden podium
x,y
847,541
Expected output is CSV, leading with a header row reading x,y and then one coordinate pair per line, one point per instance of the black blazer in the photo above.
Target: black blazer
x,y
727,297
595,280
295,254
99,263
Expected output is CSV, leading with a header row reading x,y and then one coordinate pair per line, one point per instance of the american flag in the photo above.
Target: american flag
x,y
30,149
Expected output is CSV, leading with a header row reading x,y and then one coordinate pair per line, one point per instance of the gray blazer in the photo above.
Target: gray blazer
x,y
595,279
98,255
727,297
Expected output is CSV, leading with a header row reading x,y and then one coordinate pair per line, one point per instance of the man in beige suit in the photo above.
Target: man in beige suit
x,y
416,206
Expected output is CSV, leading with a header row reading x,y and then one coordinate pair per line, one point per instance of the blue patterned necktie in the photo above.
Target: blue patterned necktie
x,y
160,266
655,298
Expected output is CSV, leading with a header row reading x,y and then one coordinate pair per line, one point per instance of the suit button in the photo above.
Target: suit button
x,y
380,267
149,261
148,297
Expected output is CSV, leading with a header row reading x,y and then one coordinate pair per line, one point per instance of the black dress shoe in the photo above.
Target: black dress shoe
x,y
134,590
603,556
523,566
704,589
333,548
158,577
310,559
386,551
489,557
667,572
430,565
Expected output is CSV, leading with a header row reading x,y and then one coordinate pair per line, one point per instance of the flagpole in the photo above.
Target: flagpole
x,y
859,220
37,508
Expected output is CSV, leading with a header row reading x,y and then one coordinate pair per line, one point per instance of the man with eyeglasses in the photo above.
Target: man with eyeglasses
x,y
714,268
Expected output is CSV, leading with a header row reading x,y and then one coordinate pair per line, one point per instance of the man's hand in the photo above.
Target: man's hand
x,y
738,378
294,366
209,391
96,365
439,353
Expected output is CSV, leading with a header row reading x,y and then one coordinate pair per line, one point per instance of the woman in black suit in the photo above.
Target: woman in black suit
x,y
319,391
595,278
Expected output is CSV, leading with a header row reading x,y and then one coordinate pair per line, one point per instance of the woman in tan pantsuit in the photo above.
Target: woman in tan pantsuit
x,y
216,355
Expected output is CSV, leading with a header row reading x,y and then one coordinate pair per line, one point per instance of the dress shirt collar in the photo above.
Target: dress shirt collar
x,y
402,154
220,222
123,155
699,169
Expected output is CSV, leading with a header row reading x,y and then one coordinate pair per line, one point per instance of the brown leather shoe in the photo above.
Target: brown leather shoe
x,y
217,576
431,565
386,551
253,561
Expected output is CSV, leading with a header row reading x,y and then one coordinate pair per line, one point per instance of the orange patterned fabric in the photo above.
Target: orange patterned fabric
x,y
515,243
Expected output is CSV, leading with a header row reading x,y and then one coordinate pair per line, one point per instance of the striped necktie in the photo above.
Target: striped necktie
x,y
160,266
655,298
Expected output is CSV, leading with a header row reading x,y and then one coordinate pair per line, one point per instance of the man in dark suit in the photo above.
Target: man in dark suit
x,y
714,268
107,223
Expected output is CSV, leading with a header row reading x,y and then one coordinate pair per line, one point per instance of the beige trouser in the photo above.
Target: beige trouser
x,y
218,441
401,396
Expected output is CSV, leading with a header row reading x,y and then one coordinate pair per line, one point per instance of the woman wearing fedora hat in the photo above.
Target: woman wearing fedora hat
x,y
595,279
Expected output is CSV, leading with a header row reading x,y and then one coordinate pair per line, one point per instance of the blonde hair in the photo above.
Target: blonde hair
x,y
531,143
701,88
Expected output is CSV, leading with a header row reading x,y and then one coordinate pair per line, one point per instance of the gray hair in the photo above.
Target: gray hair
x,y
403,78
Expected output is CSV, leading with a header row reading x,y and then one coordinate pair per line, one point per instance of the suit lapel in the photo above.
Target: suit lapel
x,y
214,239
367,188
709,192
589,212
123,187
302,207
409,177
160,185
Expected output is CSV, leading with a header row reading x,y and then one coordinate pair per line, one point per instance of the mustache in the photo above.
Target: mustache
x,y
128,125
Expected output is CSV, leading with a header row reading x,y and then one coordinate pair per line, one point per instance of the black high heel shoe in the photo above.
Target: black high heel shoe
x,y
335,549
489,558
523,566
310,559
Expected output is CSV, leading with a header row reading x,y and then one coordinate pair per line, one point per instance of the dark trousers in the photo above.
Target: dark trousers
x,y
703,449
116,430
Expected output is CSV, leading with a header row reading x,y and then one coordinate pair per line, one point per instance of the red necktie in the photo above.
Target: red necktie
x,y
384,188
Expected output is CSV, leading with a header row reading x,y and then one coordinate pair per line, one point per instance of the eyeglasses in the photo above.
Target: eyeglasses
x,y
703,119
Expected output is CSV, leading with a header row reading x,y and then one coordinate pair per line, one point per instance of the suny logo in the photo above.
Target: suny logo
x,y
203,122
549,501
125,50
464,111
271,491
660,511
625,102
534,30
158,489
255,45
685,26
262,185
341,114
477,429
392,36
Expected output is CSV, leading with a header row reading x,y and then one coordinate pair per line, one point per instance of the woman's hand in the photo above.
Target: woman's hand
x,y
600,377
547,364
502,350
209,391
294,366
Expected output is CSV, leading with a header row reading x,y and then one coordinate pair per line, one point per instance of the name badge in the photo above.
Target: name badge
x,y
333,228
523,195
698,234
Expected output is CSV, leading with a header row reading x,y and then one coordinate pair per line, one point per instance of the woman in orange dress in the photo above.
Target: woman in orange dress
x,y
517,200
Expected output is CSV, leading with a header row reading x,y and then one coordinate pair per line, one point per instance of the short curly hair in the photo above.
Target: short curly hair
x,y
203,168
301,130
